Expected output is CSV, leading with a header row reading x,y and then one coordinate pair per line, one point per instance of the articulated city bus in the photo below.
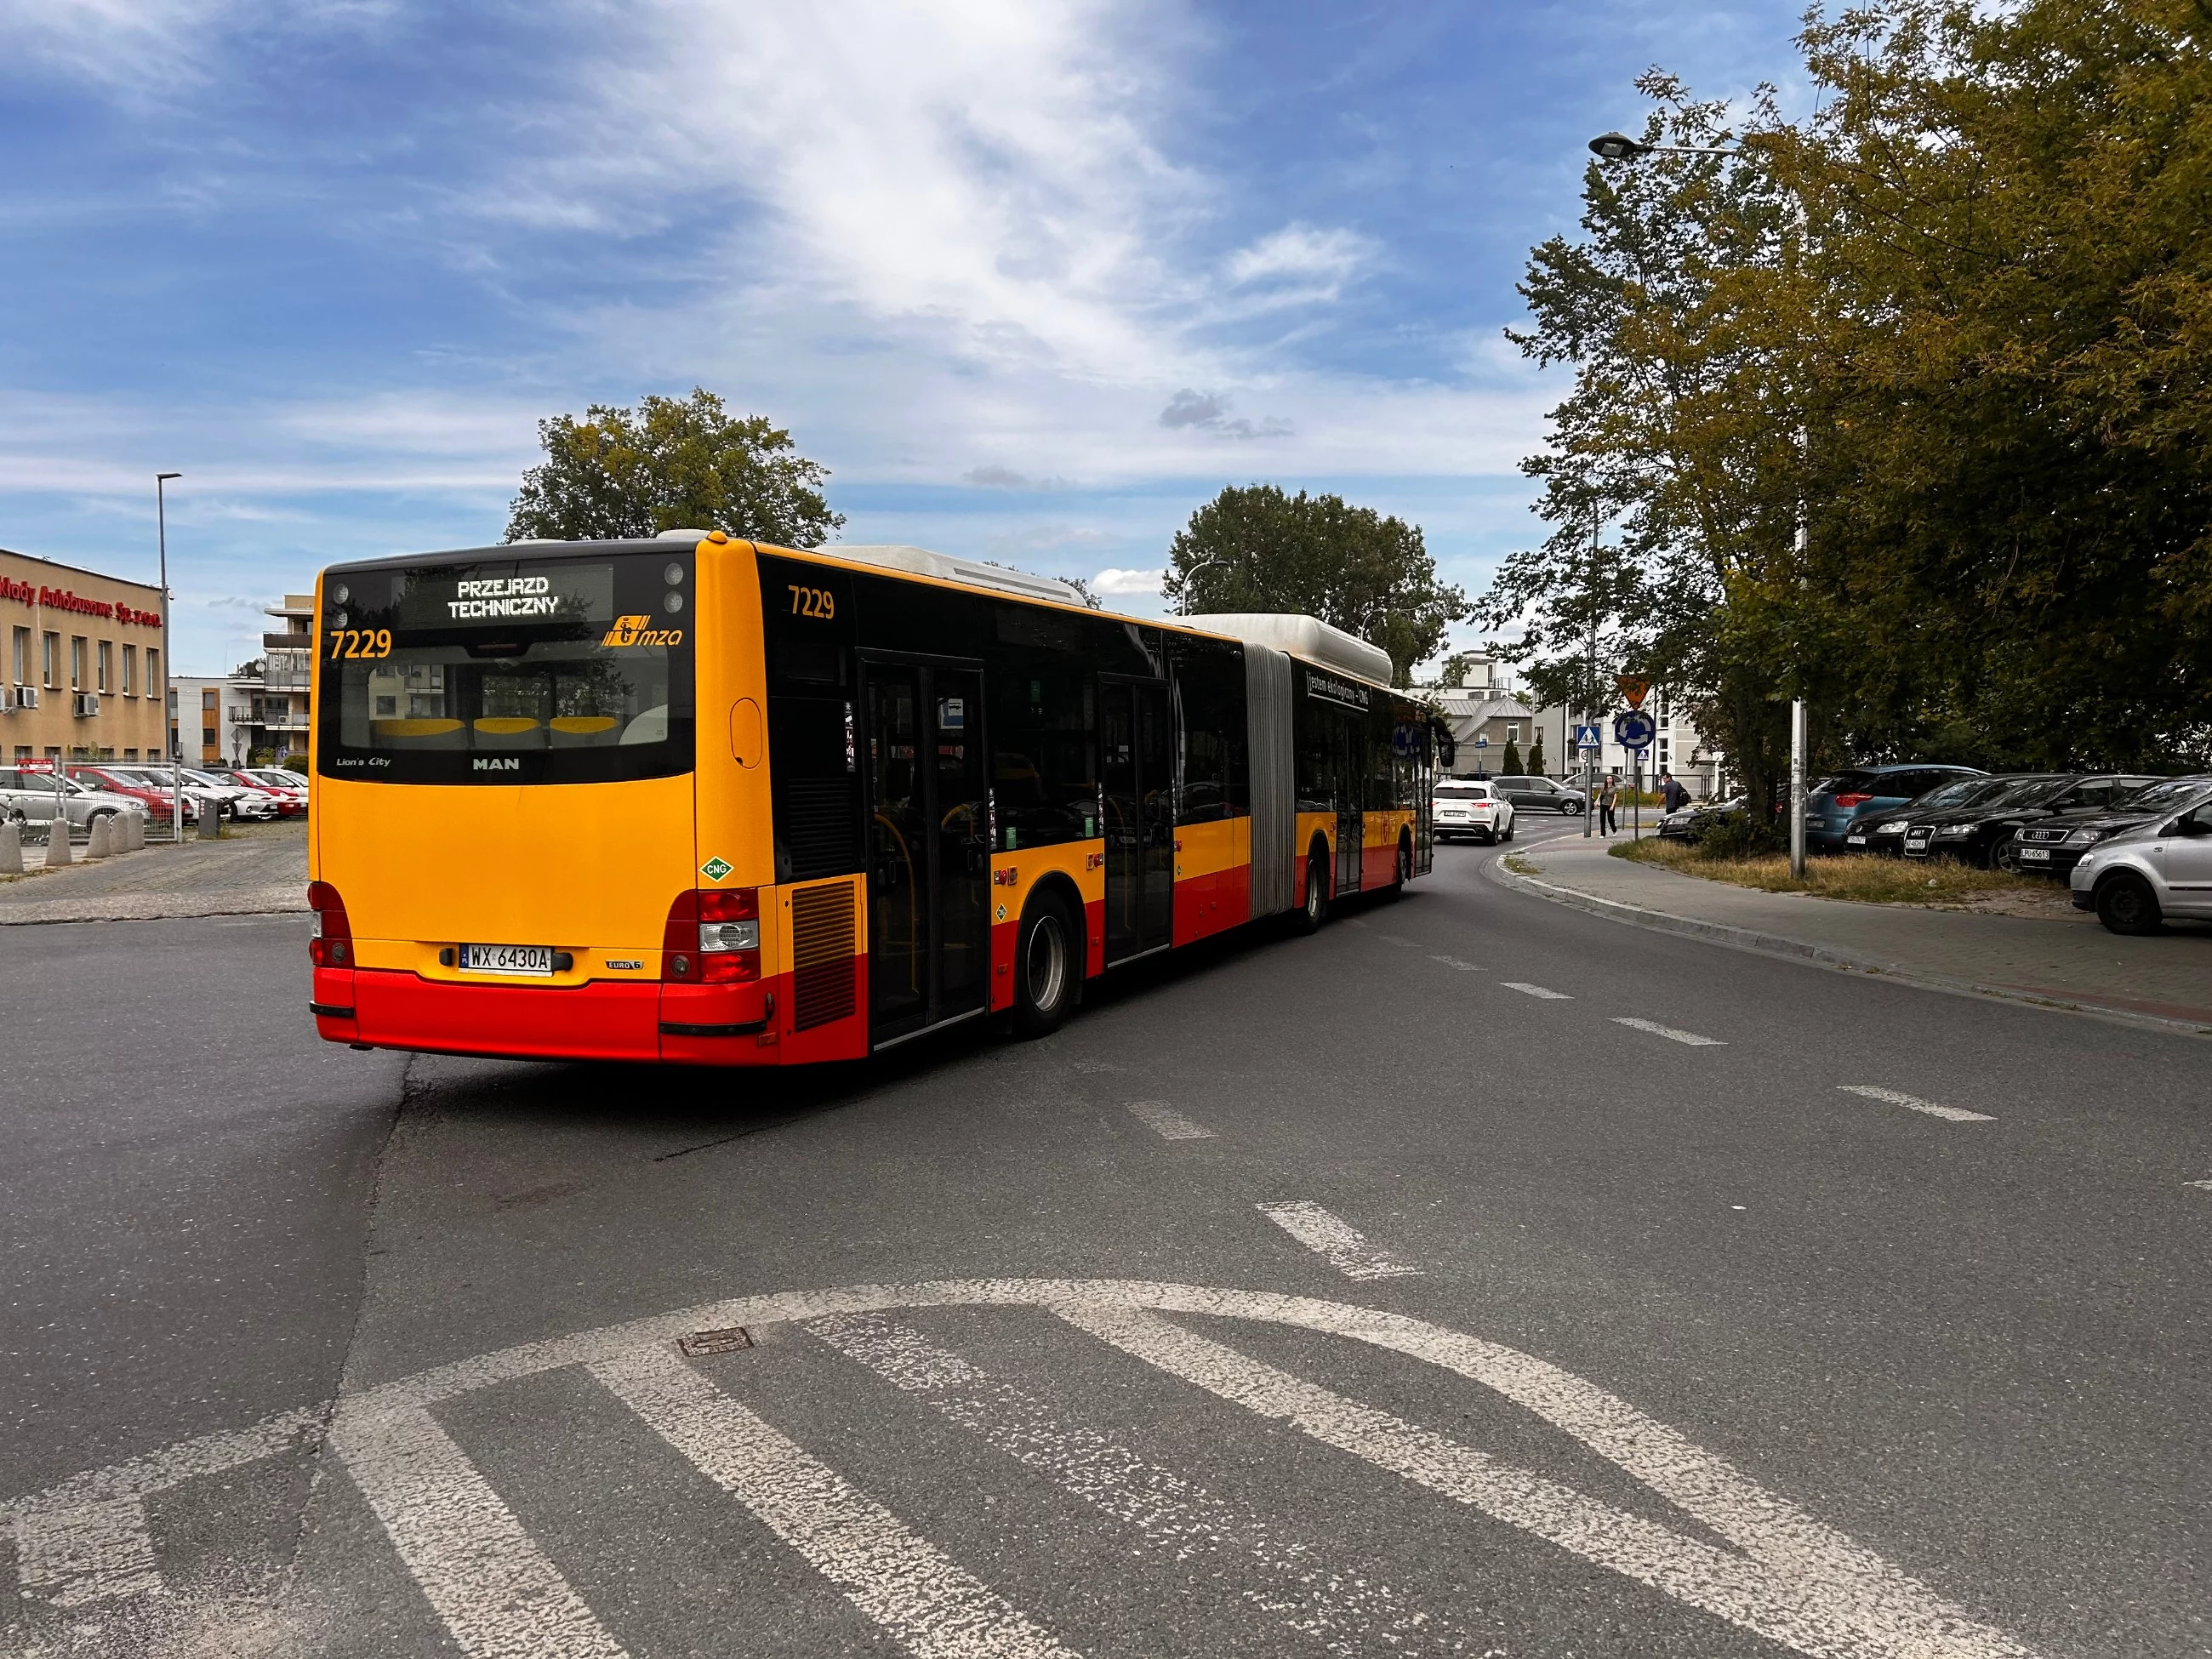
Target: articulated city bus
x,y
694,800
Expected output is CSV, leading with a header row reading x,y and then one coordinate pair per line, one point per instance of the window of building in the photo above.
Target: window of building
x,y
22,656
22,751
77,643
108,665
131,754
153,672
130,670
207,736
207,701
50,658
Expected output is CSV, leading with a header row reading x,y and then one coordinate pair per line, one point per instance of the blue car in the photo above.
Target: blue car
x,y
1832,803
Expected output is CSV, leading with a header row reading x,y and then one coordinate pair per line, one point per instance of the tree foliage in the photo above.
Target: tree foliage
x,y
1955,326
1258,549
671,464
1509,764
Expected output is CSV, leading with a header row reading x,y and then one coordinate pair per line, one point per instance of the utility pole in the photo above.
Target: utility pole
x,y
1798,745
169,666
1591,761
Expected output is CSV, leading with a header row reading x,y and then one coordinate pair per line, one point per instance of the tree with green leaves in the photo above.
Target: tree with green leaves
x,y
1510,765
671,464
1536,755
1259,548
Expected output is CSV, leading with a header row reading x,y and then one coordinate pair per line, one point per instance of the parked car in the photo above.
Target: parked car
x,y
1832,803
1468,808
1539,795
291,802
1972,834
2055,844
1690,822
1882,828
200,793
129,780
2140,877
247,800
32,798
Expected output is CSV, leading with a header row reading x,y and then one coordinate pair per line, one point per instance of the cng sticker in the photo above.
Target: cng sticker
x,y
716,869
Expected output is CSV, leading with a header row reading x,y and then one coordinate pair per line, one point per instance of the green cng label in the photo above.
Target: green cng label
x,y
714,869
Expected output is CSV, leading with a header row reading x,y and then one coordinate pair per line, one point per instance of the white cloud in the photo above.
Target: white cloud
x,y
1145,582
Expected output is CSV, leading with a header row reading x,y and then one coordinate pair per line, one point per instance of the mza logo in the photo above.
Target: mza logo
x,y
497,763
633,630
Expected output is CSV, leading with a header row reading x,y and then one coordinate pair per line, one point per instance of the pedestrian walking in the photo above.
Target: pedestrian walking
x,y
1609,797
1671,793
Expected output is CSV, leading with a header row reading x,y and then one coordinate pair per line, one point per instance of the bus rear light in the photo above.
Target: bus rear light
x,y
713,938
329,937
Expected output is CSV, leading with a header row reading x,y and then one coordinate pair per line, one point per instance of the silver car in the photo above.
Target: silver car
x,y
2143,875
32,798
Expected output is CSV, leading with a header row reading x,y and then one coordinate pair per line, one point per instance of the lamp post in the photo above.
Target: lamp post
x,y
1620,147
169,664
1183,609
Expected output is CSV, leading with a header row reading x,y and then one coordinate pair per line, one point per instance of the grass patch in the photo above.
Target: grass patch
x,y
1865,878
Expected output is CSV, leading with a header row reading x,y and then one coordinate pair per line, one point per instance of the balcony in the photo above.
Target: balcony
x,y
285,680
288,642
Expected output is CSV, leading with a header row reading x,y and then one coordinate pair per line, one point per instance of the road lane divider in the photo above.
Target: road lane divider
x,y
1527,990
1350,1613
1164,1120
1463,967
1334,1239
1668,1033
1914,1104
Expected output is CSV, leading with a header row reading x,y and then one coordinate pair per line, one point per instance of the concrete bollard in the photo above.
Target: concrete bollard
x,y
11,848
126,832
211,821
101,842
139,830
58,841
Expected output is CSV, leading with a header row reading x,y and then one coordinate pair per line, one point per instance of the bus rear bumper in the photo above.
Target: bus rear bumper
x,y
602,1020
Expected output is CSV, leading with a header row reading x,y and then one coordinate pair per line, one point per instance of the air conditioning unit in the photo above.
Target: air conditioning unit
x,y
26,697
86,703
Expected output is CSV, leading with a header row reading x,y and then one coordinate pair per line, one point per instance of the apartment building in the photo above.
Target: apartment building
x,y
260,711
83,671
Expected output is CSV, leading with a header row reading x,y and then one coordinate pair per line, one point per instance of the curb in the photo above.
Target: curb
x,y
1777,944
245,902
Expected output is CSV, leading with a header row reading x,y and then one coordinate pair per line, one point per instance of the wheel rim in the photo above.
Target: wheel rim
x,y
1314,896
1045,969
2125,905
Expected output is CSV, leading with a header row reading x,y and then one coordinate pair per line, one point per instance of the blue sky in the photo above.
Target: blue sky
x,y
1034,279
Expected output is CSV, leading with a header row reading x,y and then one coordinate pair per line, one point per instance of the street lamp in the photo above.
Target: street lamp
x,y
1203,564
1620,147
169,664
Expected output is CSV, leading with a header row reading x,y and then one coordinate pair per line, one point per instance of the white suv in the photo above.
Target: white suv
x,y
1461,806
2141,876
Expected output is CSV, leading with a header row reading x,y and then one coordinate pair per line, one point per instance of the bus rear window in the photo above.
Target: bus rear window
x,y
508,671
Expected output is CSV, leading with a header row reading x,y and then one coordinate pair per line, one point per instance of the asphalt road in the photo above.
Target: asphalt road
x,y
1672,1347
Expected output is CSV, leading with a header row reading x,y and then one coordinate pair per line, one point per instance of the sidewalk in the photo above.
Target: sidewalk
x,y
2067,959
256,871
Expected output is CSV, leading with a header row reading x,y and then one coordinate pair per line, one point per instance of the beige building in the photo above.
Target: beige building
x,y
82,676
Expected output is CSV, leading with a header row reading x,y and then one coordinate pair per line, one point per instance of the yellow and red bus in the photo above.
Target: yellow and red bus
x,y
696,799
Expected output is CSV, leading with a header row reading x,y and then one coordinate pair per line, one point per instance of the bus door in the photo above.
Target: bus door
x,y
929,861
1137,772
1351,742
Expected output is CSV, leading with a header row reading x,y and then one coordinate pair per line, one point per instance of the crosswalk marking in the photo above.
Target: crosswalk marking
x,y
1667,1031
1527,990
936,1610
1814,1589
1349,1615
1164,1120
1914,1104
1453,962
1334,1239
498,1595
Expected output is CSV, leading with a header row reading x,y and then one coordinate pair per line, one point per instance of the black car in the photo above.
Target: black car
x,y
2053,846
1972,834
1528,794
1690,822
1831,803
1880,828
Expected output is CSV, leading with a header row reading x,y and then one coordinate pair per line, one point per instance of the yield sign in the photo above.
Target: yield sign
x,y
1634,687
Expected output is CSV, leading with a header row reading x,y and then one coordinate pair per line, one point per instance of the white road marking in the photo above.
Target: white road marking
x,y
1798,1583
1453,962
1669,1033
1336,1239
1164,1120
935,1608
1393,938
1845,1602
1348,1615
1913,1103
2206,1185
498,1595
85,1540
1535,991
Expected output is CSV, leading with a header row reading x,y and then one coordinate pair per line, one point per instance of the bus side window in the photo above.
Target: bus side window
x,y
1209,689
1044,743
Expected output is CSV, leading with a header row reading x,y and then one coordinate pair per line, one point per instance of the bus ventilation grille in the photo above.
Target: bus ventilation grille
x,y
823,968
816,820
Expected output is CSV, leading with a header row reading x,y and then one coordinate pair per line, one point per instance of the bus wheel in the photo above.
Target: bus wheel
x,y
1044,969
1403,872
1308,918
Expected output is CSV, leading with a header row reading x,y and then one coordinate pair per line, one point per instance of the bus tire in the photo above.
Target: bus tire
x,y
1402,871
1047,965
1309,916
